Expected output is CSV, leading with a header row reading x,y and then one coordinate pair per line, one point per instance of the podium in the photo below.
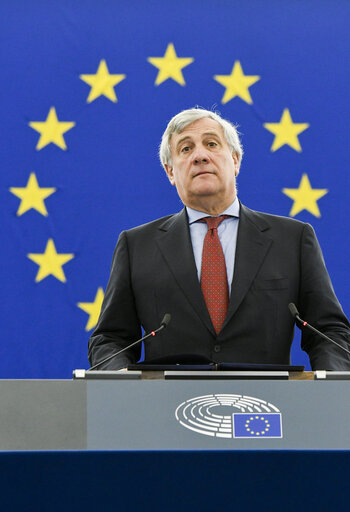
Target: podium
x,y
143,411
172,441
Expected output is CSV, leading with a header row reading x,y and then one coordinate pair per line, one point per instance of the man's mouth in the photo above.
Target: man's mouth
x,y
201,173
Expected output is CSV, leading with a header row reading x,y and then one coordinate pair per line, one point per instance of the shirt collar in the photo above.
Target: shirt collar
x,y
194,215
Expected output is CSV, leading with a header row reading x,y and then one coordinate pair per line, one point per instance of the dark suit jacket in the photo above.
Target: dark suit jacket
x,y
278,260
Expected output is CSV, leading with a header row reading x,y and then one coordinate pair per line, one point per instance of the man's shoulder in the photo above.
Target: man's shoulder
x,y
266,220
158,224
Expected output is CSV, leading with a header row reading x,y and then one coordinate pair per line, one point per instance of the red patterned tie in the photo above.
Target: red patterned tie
x,y
213,274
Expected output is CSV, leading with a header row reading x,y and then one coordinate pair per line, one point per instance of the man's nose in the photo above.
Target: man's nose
x,y
200,156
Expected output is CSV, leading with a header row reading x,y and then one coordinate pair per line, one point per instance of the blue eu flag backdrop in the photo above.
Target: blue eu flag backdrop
x,y
87,90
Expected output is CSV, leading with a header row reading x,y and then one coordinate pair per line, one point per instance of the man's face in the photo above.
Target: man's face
x,y
203,167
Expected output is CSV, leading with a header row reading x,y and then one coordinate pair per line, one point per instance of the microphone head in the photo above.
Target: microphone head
x,y
166,320
293,310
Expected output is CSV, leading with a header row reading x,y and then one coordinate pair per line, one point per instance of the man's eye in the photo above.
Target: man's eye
x,y
185,149
212,144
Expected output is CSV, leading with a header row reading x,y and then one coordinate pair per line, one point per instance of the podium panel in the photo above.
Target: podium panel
x,y
202,414
218,415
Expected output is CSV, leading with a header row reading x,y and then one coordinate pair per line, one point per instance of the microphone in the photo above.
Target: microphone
x,y
163,324
166,319
293,310
295,314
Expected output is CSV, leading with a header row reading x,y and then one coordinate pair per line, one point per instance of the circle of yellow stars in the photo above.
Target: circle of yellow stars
x,y
262,431
170,66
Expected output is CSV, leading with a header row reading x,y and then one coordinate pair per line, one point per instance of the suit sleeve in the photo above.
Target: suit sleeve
x,y
319,305
118,324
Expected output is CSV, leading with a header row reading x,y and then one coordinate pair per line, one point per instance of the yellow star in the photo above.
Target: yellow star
x,y
93,309
50,262
237,84
305,197
32,196
51,130
170,66
102,83
286,132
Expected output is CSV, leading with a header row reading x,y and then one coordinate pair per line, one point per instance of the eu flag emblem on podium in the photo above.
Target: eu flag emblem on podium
x,y
257,425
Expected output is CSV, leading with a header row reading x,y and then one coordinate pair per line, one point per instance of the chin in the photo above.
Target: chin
x,y
205,190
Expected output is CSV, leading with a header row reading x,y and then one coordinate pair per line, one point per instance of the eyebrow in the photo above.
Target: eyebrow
x,y
205,134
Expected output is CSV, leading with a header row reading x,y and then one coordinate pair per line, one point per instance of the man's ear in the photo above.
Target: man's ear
x,y
170,174
236,160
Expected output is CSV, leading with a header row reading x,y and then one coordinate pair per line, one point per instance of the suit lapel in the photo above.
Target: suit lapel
x,y
252,247
174,241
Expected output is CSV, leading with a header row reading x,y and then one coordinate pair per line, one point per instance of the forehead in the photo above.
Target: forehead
x,y
201,126
198,129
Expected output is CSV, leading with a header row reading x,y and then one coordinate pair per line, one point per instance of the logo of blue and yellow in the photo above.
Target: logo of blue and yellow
x,y
257,425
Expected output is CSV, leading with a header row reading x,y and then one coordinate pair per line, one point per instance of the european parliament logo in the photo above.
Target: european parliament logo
x,y
230,416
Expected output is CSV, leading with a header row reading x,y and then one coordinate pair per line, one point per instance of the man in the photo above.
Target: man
x,y
225,273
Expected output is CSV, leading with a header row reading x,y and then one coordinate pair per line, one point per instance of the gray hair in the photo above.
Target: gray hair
x,y
179,122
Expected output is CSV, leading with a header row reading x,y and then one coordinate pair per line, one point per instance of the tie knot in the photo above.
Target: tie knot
x,y
214,222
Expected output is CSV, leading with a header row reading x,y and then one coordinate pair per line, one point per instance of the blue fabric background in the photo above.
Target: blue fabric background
x,y
110,168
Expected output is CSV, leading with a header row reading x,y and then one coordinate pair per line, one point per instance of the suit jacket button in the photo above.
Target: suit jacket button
x,y
217,348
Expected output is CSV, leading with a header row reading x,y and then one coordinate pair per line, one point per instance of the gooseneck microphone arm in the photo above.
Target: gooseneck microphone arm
x,y
295,314
163,325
